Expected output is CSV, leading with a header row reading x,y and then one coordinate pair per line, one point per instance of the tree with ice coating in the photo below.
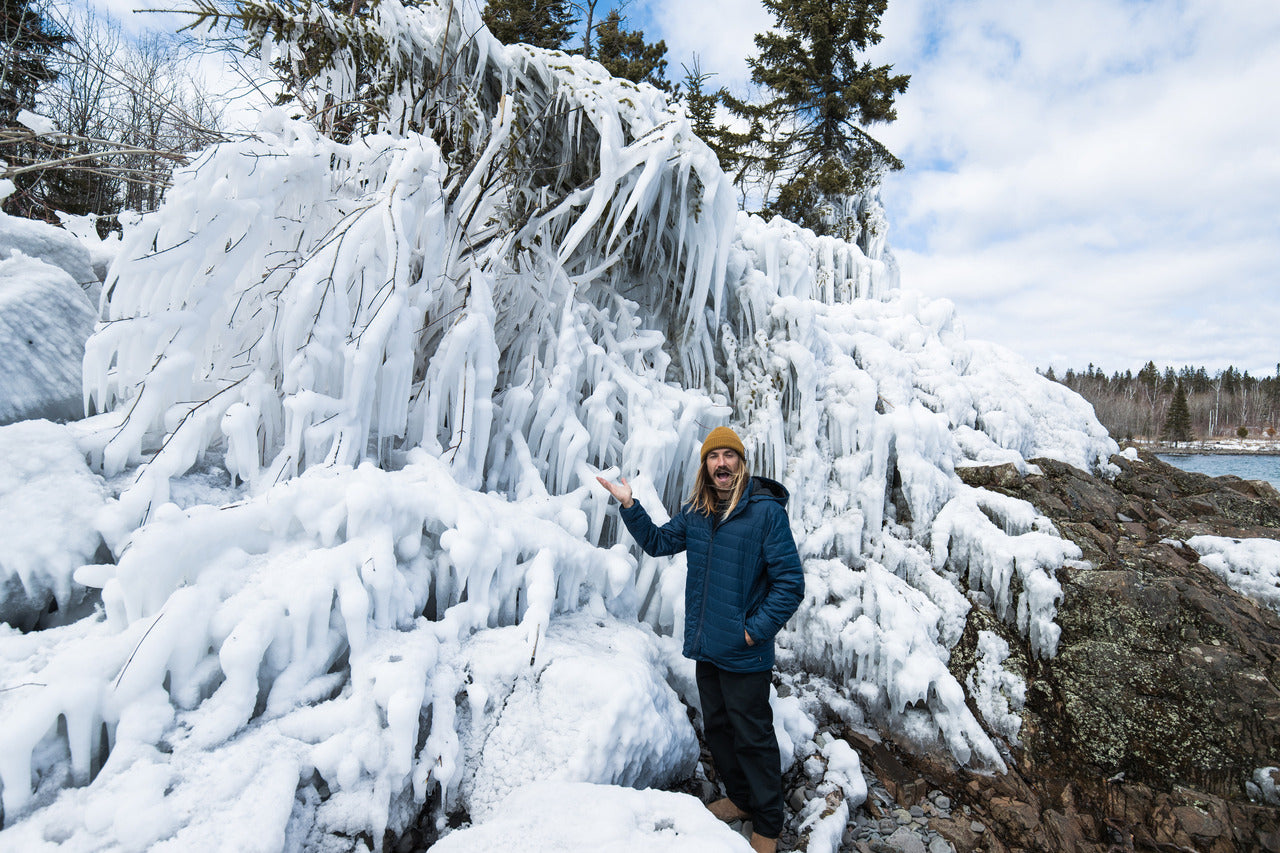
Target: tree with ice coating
x,y
355,381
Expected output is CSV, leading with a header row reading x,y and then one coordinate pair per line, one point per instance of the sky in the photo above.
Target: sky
x,y
1089,181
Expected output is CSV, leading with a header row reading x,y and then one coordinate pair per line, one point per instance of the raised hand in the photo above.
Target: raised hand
x,y
620,491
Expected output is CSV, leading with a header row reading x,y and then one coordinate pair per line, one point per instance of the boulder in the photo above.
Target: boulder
x,y
45,319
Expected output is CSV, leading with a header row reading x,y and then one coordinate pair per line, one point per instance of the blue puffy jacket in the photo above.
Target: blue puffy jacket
x,y
744,574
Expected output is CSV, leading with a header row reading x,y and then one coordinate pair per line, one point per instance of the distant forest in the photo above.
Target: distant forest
x,y
1148,405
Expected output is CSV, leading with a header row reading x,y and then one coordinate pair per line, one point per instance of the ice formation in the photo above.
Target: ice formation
x,y
412,353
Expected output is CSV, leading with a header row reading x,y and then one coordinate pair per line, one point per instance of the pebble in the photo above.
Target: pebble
x,y
797,800
916,811
943,802
976,826
905,841
886,826
902,816
941,845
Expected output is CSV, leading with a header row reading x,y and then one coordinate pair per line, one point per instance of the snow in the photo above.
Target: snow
x,y
48,292
1264,786
598,711
52,245
1249,566
36,122
563,817
48,501
44,321
102,251
354,398
998,693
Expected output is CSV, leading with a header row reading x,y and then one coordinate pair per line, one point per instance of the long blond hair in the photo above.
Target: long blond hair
x,y
705,498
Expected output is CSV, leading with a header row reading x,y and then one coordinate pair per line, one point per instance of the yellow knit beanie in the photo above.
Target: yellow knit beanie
x,y
722,437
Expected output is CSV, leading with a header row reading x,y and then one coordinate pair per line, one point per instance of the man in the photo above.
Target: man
x,y
744,581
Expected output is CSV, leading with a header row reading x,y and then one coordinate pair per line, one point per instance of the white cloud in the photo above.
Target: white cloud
x,y
1088,180
720,32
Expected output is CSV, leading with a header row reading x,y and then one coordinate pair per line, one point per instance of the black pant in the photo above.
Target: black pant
x,y
739,732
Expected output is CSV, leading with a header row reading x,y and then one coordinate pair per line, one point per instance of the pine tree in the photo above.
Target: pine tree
x,y
541,23
823,96
625,53
29,41
701,107
1177,423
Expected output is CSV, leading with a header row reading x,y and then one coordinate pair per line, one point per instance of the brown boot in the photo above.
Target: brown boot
x,y
760,844
726,810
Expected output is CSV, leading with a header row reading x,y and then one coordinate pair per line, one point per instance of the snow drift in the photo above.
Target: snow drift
x,y
410,354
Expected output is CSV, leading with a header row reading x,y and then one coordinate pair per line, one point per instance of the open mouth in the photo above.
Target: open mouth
x,y
723,477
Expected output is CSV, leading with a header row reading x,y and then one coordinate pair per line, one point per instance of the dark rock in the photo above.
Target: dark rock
x,y
906,787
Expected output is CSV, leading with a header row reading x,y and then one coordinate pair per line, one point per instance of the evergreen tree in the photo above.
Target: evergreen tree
x,y
29,41
823,97
1149,375
1177,423
701,106
625,53
541,23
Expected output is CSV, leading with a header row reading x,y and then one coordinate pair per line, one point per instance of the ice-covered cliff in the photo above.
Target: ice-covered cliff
x,y
353,398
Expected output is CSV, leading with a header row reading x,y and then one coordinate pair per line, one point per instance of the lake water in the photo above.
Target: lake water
x,y
1215,465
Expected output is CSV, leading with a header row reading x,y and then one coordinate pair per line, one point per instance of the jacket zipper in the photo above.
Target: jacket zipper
x,y
706,580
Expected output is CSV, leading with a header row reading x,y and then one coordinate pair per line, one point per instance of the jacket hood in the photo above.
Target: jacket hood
x,y
762,488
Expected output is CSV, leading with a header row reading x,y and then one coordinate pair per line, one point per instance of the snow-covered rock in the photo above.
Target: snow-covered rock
x,y
44,321
55,246
564,817
1249,566
598,710
48,500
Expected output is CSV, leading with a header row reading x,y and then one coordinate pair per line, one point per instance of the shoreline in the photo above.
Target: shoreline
x,y
1205,449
